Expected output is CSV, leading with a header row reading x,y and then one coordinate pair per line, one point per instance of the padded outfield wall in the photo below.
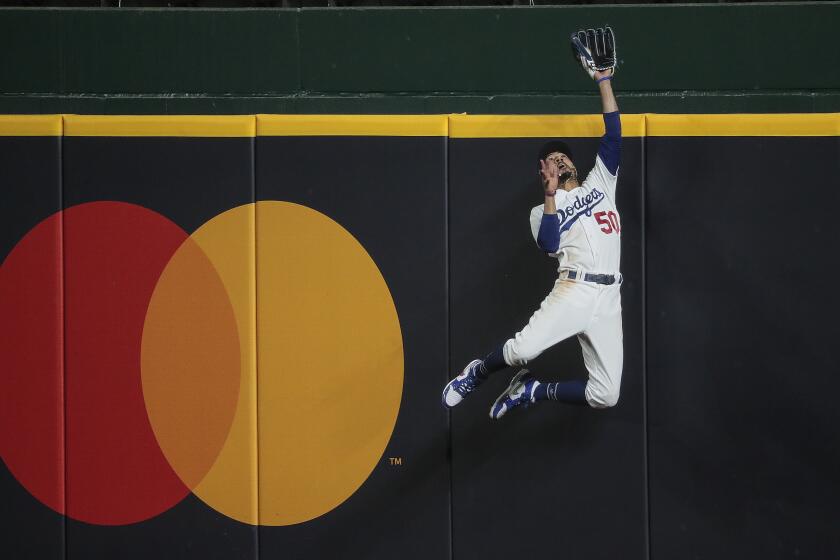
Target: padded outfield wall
x,y
225,337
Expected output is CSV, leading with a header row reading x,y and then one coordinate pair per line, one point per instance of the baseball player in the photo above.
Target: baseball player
x,y
579,225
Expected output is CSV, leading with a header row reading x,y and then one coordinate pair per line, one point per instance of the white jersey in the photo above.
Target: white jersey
x,y
590,228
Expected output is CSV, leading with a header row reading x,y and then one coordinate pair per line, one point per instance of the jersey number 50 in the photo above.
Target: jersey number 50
x,y
608,221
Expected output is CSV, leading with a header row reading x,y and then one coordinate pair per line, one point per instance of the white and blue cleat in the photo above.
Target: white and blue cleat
x,y
458,389
520,392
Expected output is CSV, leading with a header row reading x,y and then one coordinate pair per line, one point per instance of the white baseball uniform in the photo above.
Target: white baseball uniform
x,y
590,243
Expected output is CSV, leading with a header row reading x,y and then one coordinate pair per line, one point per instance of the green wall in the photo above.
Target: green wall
x,y
690,58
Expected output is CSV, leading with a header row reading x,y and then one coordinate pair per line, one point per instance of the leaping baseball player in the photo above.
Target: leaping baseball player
x,y
579,225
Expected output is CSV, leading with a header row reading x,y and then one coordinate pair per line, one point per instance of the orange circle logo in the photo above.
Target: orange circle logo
x,y
268,374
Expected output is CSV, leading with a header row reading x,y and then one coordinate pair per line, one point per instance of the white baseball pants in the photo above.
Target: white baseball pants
x,y
593,313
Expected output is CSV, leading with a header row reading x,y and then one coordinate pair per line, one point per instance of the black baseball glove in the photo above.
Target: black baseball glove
x,y
595,49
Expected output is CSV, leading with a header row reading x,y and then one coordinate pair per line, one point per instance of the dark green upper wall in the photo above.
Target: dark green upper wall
x,y
719,47
124,51
712,58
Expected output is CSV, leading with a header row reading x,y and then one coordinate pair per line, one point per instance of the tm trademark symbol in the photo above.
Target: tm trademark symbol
x,y
395,461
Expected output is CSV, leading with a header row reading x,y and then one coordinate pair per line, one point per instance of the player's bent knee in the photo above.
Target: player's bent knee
x,y
601,397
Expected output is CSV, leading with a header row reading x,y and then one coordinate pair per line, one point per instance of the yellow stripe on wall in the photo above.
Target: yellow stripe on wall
x,y
539,126
799,124
201,126
352,125
454,126
30,125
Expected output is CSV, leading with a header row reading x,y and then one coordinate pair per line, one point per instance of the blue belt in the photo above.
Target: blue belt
x,y
606,279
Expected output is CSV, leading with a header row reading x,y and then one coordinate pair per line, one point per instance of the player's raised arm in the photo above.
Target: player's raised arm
x,y
596,50
610,148
604,81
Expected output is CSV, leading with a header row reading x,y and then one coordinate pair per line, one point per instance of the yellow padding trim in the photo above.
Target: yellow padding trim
x,y
225,126
539,126
30,125
799,124
454,126
352,125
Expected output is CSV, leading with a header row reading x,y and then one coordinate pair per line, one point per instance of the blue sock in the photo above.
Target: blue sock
x,y
572,392
494,361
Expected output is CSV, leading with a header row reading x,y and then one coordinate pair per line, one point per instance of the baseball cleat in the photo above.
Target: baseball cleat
x,y
519,392
458,389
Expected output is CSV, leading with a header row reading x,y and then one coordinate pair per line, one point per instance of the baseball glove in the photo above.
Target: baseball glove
x,y
595,49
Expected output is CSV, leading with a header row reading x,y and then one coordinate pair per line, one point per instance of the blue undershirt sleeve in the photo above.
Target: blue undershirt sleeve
x,y
610,148
549,236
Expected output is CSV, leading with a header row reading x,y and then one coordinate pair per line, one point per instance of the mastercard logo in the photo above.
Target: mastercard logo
x,y
256,363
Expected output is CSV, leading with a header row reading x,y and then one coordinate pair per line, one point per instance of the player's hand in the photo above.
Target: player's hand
x,y
550,176
595,49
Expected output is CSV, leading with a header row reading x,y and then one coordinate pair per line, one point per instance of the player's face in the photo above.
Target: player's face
x,y
563,163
